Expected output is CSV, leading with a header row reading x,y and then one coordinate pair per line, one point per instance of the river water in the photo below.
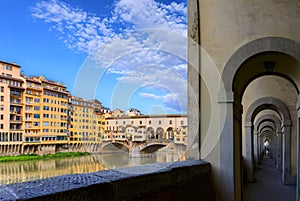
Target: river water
x,y
13,172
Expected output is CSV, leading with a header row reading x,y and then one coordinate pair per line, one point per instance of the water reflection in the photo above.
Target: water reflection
x,y
13,172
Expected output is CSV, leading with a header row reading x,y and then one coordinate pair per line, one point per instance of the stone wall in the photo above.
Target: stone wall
x,y
187,180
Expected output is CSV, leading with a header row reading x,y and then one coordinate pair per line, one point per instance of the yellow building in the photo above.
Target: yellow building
x,y
87,124
54,120
46,116
32,115
11,109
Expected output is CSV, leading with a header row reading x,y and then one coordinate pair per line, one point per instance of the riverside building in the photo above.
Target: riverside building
x,y
40,116
87,124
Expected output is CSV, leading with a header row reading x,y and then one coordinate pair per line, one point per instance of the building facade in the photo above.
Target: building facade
x,y
128,126
11,108
40,116
87,124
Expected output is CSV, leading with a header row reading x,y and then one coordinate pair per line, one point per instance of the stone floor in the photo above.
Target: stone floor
x,y
268,186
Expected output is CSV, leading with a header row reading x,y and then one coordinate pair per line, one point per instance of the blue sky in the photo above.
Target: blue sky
x,y
126,53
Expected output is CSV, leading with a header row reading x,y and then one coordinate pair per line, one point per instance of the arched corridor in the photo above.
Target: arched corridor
x,y
246,52
268,185
264,65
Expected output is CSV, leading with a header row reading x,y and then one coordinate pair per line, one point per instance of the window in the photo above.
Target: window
x,y
2,98
181,123
1,116
2,89
141,122
149,122
8,68
159,122
36,100
170,122
36,116
1,126
36,108
1,107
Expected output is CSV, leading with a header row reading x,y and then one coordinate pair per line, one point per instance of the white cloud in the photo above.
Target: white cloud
x,y
150,96
143,40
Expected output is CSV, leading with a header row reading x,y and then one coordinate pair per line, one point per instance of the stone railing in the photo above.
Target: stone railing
x,y
187,180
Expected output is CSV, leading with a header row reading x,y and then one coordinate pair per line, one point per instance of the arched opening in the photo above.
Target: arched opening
x,y
159,133
257,137
262,57
150,133
254,109
170,133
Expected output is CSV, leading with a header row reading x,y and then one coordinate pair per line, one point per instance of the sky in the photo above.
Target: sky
x,y
125,53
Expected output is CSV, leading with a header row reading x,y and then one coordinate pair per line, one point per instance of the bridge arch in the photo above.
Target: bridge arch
x,y
124,146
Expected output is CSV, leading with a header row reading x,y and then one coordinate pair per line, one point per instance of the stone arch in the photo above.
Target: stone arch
x,y
257,143
279,107
264,118
261,45
268,103
170,133
159,133
235,80
267,125
150,133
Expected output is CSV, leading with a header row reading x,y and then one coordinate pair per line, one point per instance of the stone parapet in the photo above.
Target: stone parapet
x,y
187,180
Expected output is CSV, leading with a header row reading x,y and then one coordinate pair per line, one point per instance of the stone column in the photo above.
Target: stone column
x,y
231,179
279,151
256,151
298,150
260,148
275,147
286,157
249,159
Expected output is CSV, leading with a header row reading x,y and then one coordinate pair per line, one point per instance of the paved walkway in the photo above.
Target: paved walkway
x,y
268,186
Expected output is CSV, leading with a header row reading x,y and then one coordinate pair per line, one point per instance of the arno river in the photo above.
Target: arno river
x,y
13,172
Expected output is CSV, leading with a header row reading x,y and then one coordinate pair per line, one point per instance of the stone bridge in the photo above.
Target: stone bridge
x,y
135,148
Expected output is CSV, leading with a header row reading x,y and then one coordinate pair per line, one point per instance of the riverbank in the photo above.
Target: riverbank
x,y
37,157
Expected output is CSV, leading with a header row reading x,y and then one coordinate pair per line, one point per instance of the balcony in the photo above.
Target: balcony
x,y
32,134
32,142
15,94
15,112
17,103
16,120
35,88
16,129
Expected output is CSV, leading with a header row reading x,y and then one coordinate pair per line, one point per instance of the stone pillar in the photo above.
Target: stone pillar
x,y
274,149
249,159
286,157
298,150
279,151
256,150
231,179
260,149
